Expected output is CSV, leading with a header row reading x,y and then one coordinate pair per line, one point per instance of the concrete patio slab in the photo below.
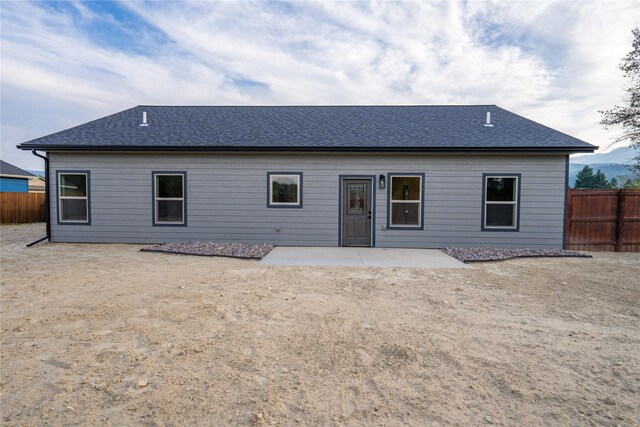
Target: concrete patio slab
x,y
287,255
361,257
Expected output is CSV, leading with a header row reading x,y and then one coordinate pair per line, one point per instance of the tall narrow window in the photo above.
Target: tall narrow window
x,y
169,198
284,189
500,208
405,201
73,197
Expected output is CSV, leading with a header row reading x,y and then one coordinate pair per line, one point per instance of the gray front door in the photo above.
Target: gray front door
x,y
356,212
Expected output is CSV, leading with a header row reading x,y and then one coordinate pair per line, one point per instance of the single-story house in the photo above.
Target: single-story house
x,y
13,179
37,185
383,176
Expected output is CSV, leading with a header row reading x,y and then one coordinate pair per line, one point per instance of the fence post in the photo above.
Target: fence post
x,y
620,220
567,234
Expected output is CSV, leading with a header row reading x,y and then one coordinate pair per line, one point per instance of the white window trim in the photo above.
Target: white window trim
x,y
392,201
514,203
162,199
85,198
271,202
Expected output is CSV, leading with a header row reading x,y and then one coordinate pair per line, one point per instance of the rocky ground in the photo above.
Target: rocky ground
x,y
108,335
500,254
232,250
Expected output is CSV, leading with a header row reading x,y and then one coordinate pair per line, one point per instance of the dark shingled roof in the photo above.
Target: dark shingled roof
x,y
9,169
327,128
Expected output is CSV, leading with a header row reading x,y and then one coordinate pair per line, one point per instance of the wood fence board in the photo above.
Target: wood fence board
x,y
603,220
19,208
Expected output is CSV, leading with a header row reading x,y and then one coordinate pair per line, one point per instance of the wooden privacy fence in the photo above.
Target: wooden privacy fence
x,y
604,220
18,208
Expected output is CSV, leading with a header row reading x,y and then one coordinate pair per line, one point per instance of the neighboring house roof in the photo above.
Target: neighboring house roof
x,y
326,128
11,171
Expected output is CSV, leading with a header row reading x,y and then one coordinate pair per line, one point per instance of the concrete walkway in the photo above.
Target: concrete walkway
x,y
361,257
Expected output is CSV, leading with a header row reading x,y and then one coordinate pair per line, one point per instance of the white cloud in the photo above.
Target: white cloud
x,y
555,62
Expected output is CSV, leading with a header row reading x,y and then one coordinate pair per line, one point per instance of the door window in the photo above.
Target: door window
x,y
356,199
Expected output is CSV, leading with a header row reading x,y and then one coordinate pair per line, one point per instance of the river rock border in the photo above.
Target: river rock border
x,y
500,254
229,250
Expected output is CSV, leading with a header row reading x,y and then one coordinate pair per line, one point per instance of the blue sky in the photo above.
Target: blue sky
x,y
65,63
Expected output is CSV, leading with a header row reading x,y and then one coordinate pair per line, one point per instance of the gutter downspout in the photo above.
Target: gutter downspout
x,y
46,199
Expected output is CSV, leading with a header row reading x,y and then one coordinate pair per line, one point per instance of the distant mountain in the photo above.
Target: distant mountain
x,y
614,164
611,170
620,155
38,173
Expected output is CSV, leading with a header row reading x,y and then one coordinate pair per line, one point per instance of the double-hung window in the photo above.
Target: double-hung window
x,y
406,192
73,197
169,198
284,189
501,201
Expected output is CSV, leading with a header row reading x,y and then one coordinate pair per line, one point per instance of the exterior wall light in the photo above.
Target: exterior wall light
x,y
382,182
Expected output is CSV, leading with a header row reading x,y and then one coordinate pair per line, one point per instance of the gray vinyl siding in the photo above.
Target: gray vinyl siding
x,y
226,198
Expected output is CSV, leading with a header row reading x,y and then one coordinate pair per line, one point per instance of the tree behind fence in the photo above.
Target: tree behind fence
x,y
18,208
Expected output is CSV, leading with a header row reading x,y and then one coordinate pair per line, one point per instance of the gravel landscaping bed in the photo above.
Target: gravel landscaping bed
x,y
231,250
500,254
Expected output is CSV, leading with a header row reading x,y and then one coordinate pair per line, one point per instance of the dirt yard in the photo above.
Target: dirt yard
x,y
106,335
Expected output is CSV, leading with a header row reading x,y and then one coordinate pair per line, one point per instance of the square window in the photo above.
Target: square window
x,y
405,213
501,189
169,186
73,185
500,215
405,188
170,211
73,210
285,189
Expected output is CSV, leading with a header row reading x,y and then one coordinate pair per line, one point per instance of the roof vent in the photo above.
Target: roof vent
x,y
488,124
144,119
